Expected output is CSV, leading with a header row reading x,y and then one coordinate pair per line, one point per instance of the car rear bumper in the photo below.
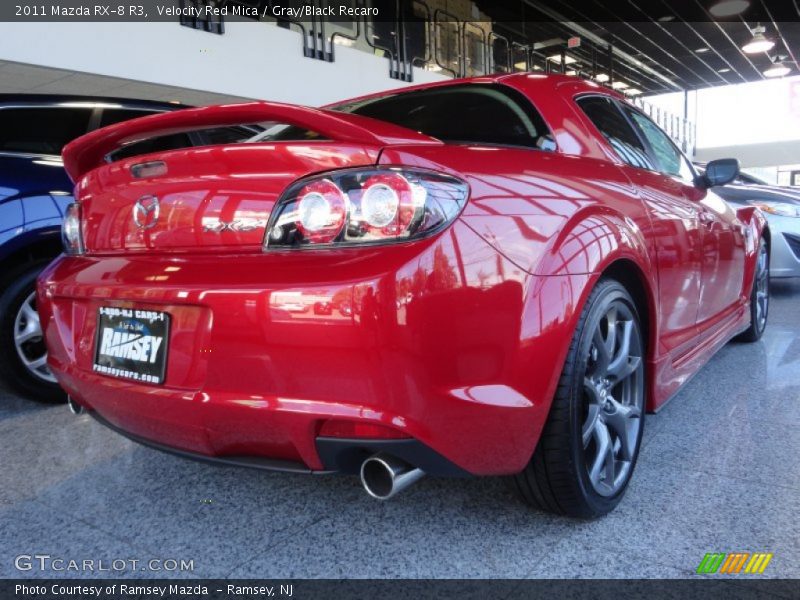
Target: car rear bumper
x,y
431,339
337,455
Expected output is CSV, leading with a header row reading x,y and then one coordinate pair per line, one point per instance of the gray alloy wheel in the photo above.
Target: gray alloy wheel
x,y
587,450
614,399
29,340
759,297
23,354
762,288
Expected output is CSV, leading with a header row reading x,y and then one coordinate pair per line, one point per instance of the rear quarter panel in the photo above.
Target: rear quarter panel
x,y
754,222
560,221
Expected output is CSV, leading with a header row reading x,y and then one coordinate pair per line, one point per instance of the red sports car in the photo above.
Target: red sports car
x,y
517,267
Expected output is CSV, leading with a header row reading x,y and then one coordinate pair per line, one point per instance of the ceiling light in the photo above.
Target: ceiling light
x,y
633,92
723,70
759,43
729,8
778,69
701,50
619,85
601,77
568,60
666,18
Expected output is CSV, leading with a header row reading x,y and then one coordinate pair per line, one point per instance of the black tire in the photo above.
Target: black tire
x,y
759,298
557,479
13,371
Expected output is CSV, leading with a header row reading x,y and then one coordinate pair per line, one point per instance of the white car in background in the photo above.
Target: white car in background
x,y
781,206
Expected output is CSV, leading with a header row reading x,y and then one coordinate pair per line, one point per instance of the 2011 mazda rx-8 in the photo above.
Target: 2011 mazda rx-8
x,y
492,276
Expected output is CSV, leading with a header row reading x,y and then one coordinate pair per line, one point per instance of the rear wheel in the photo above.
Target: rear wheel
x,y
759,297
588,448
23,355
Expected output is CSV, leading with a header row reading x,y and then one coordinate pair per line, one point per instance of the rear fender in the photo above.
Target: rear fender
x,y
562,222
557,294
598,242
592,239
755,225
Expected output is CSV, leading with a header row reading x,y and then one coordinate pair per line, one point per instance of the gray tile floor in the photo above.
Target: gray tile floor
x,y
719,472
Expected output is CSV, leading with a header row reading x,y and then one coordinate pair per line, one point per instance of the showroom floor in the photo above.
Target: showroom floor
x,y
719,472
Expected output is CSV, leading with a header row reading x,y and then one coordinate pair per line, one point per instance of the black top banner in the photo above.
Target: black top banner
x,y
497,11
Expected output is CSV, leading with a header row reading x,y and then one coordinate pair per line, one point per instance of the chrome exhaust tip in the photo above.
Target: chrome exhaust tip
x,y
383,475
75,408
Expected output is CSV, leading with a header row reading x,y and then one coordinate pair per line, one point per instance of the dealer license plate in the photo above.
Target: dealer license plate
x,y
132,344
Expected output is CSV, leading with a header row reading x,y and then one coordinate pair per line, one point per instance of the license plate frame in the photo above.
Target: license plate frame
x,y
132,344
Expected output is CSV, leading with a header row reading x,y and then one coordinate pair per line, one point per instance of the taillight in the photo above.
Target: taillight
x,y
364,206
321,211
387,203
71,230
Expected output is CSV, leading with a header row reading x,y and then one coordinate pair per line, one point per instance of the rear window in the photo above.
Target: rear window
x,y
229,135
158,144
472,113
43,130
196,138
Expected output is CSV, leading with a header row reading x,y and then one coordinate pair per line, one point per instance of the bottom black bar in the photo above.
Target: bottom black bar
x,y
707,588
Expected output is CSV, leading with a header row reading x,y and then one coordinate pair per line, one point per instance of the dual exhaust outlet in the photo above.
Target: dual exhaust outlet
x,y
74,407
382,475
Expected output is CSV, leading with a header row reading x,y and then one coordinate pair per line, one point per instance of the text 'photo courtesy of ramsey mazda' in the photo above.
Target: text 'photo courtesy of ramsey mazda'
x,y
496,276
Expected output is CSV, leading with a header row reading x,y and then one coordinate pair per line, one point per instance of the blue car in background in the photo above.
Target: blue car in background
x,y
34,193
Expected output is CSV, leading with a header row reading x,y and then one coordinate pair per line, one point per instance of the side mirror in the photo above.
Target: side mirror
x,y
720,172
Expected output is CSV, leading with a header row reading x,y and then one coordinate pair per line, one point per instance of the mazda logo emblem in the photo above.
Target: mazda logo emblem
x,y
145,212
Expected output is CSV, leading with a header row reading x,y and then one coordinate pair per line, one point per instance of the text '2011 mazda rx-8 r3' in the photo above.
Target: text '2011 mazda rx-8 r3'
x,y
494,276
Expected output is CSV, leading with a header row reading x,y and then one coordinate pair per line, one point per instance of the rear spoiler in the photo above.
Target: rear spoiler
x,y
89,151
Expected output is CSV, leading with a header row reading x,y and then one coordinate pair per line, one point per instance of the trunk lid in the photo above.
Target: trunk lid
x,y
210,198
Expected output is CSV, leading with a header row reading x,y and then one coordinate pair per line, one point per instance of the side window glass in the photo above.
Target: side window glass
x,y
611,123
670,160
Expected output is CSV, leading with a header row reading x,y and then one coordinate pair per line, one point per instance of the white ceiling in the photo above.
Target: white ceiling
x,y
18,78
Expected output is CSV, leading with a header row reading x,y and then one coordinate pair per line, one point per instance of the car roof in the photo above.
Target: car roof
x,y
73,99
528,80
